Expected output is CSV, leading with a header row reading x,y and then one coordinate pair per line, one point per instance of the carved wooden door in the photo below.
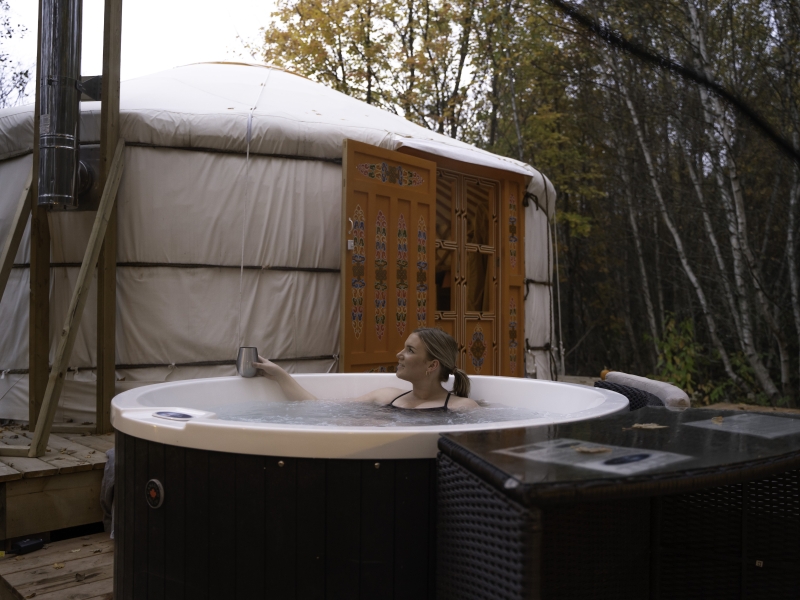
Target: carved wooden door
x,y
388,286
479,269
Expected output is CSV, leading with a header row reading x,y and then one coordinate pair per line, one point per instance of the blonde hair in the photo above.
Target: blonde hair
x,y
442,347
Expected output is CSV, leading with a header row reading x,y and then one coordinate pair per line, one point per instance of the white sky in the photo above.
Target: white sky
x,y
156,34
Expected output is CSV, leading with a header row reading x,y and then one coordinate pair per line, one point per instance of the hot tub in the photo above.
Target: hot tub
x,y
213,508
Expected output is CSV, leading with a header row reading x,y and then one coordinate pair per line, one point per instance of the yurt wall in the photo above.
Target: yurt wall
x,y
230,230
182,215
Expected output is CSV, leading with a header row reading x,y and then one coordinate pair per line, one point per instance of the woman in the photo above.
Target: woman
x,y
427,359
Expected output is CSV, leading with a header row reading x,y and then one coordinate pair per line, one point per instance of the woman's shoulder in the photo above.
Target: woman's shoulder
x,y
459,402
386,395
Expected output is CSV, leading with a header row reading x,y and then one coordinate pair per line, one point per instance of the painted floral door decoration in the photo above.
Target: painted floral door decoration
x,y
512,230
386,173
512,336
422,271
381,275
402,274
477,348
358,270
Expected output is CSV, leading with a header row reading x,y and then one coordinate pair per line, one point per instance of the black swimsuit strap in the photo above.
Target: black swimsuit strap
x,y
446,400
400,396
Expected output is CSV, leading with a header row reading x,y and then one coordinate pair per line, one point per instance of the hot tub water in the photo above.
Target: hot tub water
x,y
344,412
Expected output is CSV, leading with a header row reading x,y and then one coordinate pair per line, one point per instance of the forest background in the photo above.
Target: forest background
x,y
676,223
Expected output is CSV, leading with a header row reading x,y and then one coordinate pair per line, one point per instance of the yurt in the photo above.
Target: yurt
x,y
258,208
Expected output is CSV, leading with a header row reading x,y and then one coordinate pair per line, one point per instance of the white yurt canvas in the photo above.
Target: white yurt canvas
x,y
229,216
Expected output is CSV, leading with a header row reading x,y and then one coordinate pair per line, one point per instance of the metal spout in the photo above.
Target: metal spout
x,y
59,105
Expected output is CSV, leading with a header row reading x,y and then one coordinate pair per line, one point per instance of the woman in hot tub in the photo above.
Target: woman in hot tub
x,y
427,360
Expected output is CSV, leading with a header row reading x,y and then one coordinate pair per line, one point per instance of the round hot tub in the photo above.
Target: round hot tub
x,y
226,490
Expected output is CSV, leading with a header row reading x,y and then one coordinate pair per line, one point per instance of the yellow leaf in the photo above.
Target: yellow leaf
x,y
58,565
648,426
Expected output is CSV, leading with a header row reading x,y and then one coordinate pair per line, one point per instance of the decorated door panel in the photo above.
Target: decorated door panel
x,y
512,279
388,287
480,347
467,255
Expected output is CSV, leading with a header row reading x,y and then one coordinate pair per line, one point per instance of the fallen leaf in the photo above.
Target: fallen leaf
x,y
98,551
648,426
58,565
86,544
591,449
717,420
79,576
20,558
76,550
30,595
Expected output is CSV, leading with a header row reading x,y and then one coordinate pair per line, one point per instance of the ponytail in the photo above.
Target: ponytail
x,y
442,347
461,383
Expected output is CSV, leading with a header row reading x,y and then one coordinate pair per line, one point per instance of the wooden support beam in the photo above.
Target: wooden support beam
x,y
15,235
39,316
107,265
79,296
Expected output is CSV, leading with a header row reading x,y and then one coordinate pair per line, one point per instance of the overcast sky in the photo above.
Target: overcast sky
x,y
156,34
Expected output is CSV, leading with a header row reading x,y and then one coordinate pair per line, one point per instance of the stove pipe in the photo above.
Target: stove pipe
x,y
60,54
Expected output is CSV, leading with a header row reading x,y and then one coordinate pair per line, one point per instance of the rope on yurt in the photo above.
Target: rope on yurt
x,y
191,266
335,161
202,363
554,226
239,340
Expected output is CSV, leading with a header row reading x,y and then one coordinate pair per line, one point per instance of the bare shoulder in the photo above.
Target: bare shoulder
x,y
459,403
381,396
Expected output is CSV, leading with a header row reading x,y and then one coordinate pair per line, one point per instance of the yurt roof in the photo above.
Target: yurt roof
x,y
223,106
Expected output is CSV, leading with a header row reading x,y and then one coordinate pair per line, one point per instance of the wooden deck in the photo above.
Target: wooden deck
x,y
56,491
78,569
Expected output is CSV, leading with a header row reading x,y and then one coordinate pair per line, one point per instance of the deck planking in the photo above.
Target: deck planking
x,y
58,490
77,569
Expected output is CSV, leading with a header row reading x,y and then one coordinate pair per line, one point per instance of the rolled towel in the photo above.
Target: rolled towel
x,y
672,396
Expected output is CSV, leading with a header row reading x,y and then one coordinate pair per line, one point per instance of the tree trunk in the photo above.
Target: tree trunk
x,y
648,302
695,282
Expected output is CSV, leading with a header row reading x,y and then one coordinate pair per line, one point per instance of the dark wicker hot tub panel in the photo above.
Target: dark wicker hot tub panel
x,y
735,541
490,547
240,526
485,541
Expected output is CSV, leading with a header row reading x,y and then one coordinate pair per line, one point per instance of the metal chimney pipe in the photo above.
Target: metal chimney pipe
x,y
59,105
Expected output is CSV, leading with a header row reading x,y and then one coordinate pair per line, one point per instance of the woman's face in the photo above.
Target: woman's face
x,y
412,361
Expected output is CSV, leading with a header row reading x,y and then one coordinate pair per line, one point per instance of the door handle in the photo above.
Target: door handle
x,y
351,225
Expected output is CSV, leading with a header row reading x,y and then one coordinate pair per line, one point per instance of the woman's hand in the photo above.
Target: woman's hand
x,y
269,369
292,389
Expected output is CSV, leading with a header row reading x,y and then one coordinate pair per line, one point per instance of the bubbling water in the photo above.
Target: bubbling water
x,y
344,413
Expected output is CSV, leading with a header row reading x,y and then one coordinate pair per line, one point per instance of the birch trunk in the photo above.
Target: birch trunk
x,y
733,203
687,268
651,315
707,225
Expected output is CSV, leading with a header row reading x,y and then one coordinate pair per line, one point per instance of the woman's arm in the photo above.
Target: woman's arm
x,y
290,387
